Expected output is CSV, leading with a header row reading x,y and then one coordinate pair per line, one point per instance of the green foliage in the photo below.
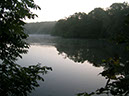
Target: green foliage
x,y
19,81
117,75
98,23
71,26
118,13
111,23
14,79
116,69
12,34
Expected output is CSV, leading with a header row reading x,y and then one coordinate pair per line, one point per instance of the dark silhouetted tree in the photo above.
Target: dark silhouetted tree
x,y
14,79
98,23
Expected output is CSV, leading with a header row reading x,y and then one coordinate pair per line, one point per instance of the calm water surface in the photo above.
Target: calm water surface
x,y
75,63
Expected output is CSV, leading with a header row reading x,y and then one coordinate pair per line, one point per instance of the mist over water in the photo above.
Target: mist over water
x,y
76,64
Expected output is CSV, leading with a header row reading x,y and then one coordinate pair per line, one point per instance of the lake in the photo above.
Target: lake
x,y
76,64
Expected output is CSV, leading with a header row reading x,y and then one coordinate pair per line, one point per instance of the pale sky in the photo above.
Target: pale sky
x,y
53,10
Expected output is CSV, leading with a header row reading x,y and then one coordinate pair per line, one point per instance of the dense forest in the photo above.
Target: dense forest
x,y
39,27
98,23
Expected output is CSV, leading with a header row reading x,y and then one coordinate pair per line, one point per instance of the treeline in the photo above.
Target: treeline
x,y
98,23
39,27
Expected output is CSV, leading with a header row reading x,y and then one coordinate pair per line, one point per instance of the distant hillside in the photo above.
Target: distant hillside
x,y
39,27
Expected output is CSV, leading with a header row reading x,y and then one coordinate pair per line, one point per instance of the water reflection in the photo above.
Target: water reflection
x,y
92,50
17,80
100,53
113,58
117,75
42,40
81,50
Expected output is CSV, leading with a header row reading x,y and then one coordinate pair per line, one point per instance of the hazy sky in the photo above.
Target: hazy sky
x,y
53,10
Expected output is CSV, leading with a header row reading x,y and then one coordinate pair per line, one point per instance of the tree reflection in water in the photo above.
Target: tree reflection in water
x,y
117,75
114,60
